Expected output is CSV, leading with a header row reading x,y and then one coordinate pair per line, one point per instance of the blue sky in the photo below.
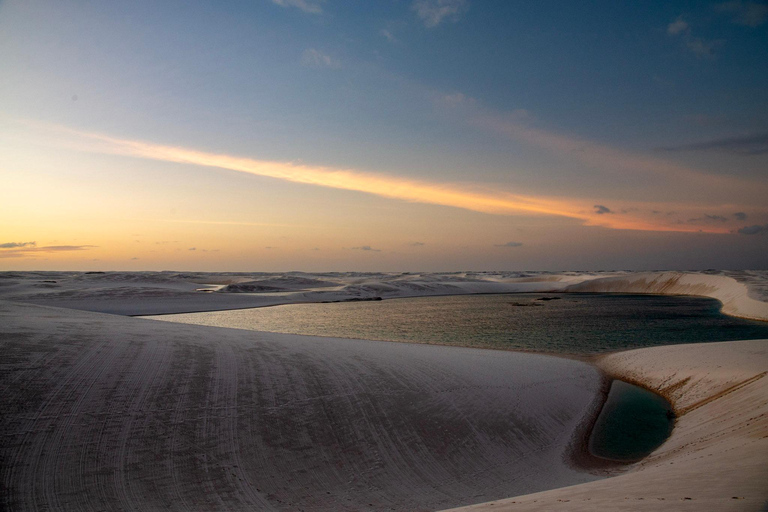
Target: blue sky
x,y
588,120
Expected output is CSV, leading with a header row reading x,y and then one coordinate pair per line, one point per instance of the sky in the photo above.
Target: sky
x,y
418,135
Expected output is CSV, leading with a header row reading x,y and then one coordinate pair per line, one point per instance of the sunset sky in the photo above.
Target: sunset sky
x,y
421,135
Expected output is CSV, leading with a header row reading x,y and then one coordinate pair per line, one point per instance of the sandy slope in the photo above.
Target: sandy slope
x,y
102,412
108,412
717,456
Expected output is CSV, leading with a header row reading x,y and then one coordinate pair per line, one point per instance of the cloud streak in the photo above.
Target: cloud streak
x,y
313,58
706,219
617,162
478,198
433,12
750,14
697,45
754,230
303,5
601,210
26,249
747,145
229,223
15,245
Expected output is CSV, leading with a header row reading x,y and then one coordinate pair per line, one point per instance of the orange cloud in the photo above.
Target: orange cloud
x,y
30,249
469,197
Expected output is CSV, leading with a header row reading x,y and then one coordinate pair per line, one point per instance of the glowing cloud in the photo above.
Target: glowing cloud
x,y
468,197
30,249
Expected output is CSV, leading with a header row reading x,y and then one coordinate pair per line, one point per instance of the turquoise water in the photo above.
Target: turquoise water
x,y
632,423
561,323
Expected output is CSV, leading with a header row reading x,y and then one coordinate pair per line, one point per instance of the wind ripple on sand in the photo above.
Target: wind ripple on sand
x,y
109,413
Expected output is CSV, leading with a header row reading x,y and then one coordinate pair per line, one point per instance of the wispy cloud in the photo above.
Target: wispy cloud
x,y
707,219
754,230
434,12
389,36
379,184
313,58
456,100
744,145
601,210
366,248
510,244
306,6
582,150
14,245
700,47
677,27
416,244
751,14
740,216
226,223
519,126
64,248
474,197
28,249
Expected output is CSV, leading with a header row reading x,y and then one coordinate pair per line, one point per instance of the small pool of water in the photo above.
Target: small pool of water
x,y
632,423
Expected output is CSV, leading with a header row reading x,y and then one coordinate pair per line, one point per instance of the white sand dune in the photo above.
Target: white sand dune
x,y
734,295
102,412
717,456
107,412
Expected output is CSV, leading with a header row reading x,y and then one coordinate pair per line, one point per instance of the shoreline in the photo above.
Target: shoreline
x,y
381,299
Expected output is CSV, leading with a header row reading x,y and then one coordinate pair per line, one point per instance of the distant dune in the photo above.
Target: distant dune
x,y
743,293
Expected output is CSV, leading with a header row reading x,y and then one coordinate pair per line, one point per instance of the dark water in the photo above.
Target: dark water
x,y
632,423
564,323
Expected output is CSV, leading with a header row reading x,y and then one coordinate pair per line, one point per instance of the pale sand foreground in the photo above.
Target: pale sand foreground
x,y
717,455
102,412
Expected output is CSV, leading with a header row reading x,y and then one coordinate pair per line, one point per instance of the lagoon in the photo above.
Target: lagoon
x,y
555,323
